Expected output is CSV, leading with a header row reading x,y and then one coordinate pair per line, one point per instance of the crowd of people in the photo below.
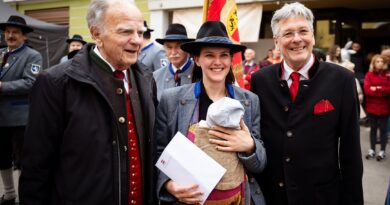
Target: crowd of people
x,y
90,129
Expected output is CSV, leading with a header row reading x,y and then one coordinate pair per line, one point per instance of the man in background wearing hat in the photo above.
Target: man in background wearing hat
x,y
19,67
75,44
152,56
179,69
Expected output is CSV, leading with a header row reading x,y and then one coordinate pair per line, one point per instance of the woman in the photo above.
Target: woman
x,y
274,57
377,90
182,107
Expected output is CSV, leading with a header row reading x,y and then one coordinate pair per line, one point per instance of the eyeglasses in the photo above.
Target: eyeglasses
x,y
291,34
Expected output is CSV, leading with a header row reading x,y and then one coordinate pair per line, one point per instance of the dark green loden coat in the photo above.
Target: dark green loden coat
x,y
75,146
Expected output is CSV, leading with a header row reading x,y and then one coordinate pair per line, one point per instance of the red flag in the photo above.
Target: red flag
x,y
226,12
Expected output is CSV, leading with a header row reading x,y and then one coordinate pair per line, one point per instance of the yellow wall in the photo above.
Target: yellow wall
x,y
143,6
77,13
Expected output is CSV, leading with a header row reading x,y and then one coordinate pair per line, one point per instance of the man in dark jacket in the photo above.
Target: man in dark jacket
x,y
19,66
89,135
309,121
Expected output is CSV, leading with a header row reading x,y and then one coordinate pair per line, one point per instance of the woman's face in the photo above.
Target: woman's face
x,y
215,63
379,64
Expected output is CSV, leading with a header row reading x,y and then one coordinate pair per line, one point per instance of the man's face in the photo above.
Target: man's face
x,y
120,39
14,37
249,55
174,53
295,41
386,54
75,45
356,47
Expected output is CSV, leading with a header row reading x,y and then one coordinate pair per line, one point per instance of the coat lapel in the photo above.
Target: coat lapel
x,y
187,105
10,62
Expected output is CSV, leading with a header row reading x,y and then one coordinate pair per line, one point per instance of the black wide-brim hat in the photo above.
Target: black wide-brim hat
x,y
147,29
76,37
175,32
212,34
16,21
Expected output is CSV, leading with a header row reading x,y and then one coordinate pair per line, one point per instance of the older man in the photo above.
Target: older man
x,y
179,69
309,120
89,137
19,66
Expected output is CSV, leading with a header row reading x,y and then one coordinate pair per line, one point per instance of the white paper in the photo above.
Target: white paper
x,y
186,164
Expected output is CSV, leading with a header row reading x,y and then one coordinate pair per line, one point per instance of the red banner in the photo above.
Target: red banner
x,y
226,12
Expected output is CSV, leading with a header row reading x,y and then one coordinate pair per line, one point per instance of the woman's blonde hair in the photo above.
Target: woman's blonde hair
x,y
372,64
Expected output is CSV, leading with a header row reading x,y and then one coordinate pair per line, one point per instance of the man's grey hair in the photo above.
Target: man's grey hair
x,y
97,10
291,10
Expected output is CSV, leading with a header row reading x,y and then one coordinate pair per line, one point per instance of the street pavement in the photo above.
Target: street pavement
x,y
376,175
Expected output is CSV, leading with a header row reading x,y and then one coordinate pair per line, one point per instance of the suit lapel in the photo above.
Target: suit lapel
x,y
187,105
10,62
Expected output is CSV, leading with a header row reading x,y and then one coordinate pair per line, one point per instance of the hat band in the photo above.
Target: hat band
x,y
176,36
214,39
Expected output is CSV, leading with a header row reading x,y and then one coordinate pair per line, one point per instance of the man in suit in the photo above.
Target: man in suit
x,y
152,56
179,69
75,44
89,136
19,67
309,120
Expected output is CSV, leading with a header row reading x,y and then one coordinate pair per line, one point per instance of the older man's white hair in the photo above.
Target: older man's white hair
x,y
97,10
291,10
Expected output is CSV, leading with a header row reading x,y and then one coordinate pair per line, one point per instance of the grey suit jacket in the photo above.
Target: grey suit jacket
x,y
174,114
164,79
152,58
17,78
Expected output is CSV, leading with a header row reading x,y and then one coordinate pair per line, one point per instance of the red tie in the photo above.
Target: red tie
x,y
176,77
294,85
119,74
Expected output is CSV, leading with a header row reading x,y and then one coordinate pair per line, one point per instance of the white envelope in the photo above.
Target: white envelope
x,y
183,162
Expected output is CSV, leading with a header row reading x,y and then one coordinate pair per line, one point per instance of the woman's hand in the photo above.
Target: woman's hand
x,y
233,140
185,194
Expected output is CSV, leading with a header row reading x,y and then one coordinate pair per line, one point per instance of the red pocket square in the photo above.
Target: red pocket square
x,y
323,106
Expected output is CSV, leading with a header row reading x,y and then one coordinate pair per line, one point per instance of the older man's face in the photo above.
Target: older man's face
x,y
295,41
175,54
14,37
121,38
249,54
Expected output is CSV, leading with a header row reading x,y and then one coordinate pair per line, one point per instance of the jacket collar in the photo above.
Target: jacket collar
x,y
199,88
82,66
312,71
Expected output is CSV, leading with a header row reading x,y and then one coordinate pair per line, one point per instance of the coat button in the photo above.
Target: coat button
x,y
121,120
289,134
258,191
114,142
282,84
285,108
281,184
288,159
119,91
246,103
183,102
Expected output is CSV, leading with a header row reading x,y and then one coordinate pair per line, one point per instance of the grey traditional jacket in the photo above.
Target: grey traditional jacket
x,y
174,114
164,77
17,77
152,57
